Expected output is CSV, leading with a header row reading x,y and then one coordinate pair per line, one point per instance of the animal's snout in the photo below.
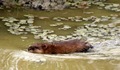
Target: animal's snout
x,y
32,48
89,45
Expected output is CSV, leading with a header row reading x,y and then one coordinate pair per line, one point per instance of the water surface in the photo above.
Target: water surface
x,y
13,54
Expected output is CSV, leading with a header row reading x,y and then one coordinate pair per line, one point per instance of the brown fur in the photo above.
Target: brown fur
x,y
60,47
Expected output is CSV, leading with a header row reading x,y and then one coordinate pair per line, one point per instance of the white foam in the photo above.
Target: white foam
x,y
103,49
28,56
111,46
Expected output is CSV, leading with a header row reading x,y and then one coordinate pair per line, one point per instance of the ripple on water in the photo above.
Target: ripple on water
x,y
10,59
102,50
28,56
105,49
7,62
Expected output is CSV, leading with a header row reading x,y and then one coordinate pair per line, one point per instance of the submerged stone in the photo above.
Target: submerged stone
x,y
29,16
65,27
116,5
30,21
2,18
23,22
5,19
24,37
8,24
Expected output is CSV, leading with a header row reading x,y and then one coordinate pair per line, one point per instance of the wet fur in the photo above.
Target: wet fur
x,y
61,47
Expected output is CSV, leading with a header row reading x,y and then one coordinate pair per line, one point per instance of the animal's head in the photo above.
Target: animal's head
x,y
85,43
37,48
88,45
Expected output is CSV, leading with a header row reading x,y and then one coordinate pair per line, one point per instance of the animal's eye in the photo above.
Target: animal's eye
x,y
29,48
35,47
32,47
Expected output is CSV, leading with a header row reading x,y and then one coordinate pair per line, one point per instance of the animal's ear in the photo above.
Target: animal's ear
x,y
44,46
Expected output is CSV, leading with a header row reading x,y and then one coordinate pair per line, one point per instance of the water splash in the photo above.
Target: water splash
x,y
28,56
8,62
10,59
103,49
107,46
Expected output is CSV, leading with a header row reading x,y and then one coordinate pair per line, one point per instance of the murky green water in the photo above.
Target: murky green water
x,y
11,45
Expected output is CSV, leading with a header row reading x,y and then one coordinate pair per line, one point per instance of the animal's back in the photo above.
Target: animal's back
x,y
75,45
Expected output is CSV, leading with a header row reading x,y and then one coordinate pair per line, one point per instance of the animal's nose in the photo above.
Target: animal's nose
x,y
30,48
91,46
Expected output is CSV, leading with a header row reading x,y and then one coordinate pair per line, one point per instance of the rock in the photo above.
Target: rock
x,y
5,19
9,19
108,7
113,18
53,25
22,22
46,5
111,25
104,19
64,19
2,18
56,24
36,37
100,8
93,25
59,23
116,5
52,36
69,36
44,34
59,7
71,18
22,27
77,20
43,17
114,9
118,10
113,15
102,5
85,19
65,27
19,29
88,12
97,20
78,17
30,21
55,18
24,37
29,16
53,4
